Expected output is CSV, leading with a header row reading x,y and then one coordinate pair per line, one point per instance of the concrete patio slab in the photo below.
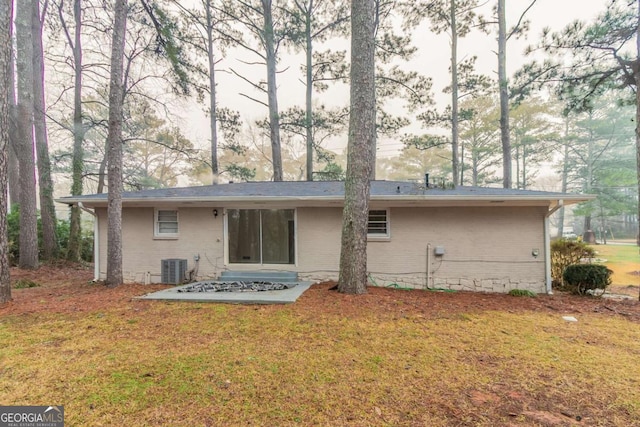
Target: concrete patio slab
x,y
284,296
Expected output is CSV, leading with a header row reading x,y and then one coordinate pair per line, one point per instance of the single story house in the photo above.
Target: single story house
x,y
466,238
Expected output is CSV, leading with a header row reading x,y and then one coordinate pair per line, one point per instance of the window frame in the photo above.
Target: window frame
x,y
387,221
226,237
157,234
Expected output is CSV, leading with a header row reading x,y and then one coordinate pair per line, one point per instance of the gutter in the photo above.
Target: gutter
x,y
547,245
96,242
493,199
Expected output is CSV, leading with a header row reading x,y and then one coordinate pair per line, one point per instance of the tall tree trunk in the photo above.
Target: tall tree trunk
x,y
517,162
565,175
13,173
603,224
50,245
213,117
114,138
360,162
28,209
13,166
504,95
6,11
102,170
309,93
74,248
474,163
588,227
272,94
454,92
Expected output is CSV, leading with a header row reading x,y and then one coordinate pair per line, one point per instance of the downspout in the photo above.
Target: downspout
x,y
96,242
428,281
547,246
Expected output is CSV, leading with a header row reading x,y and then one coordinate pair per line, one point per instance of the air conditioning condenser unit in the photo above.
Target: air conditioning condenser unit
x,y
173,270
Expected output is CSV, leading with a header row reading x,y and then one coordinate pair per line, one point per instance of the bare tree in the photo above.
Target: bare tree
x,y
77,162
28,209
114,141
317,20
13,174
504,95
360,155
6,11
258,19
213,112
272,95
206,39
456,18
50,245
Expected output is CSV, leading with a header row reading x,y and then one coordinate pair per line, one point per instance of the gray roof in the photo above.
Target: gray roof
x,y
292,191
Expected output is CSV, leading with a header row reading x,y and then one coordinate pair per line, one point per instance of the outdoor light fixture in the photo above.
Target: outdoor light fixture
x,y
215,213
535,253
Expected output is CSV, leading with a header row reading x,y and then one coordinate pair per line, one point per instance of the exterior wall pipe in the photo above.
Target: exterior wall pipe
x,y
428,277
547,246
96,242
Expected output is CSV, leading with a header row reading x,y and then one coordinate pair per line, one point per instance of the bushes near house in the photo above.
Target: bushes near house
x,y
581,278
522,293
25,284
564,253
62,232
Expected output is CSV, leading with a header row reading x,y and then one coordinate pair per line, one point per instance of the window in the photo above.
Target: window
x,y
378,225
166,223
261,236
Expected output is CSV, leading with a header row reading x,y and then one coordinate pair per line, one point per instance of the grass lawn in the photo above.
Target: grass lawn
x,y
624,260
391,357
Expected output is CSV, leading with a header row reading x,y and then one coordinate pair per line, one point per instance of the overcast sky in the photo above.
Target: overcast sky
x,y
432,60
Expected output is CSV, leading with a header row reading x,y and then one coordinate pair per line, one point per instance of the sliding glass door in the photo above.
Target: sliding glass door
x,y
261,236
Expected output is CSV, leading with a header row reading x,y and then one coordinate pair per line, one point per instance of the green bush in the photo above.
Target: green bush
x,y
25,283
62,232
582,278
564,253
522,293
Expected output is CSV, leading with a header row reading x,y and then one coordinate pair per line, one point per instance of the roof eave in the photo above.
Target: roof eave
x,y
403,199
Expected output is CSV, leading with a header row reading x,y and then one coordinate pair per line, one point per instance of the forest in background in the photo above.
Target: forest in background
x,y
570,113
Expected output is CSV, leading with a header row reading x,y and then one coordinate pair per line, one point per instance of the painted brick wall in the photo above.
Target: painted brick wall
x,y
486,249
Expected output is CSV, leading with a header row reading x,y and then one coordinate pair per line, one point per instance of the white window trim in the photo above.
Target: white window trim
x,y
225,234
380,237
156,225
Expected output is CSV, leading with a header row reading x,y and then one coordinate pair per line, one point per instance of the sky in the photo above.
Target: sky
x,y
432,60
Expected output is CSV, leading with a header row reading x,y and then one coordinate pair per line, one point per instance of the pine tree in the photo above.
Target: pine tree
x,y
6,11
114,142
362,136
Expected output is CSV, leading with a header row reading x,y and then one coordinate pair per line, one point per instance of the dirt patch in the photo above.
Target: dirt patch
x,y
68,288
546,418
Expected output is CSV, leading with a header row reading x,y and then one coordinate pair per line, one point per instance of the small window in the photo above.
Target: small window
x,y
166,223
378,225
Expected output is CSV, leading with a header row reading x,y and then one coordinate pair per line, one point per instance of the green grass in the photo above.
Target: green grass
x,y
189,365
624,260
619,254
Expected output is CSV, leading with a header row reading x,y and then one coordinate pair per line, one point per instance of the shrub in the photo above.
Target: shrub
x,y
25,283
522,293
582,278
62,232
564,253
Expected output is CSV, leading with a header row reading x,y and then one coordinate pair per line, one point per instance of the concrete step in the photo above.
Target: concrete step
x,y
259,276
